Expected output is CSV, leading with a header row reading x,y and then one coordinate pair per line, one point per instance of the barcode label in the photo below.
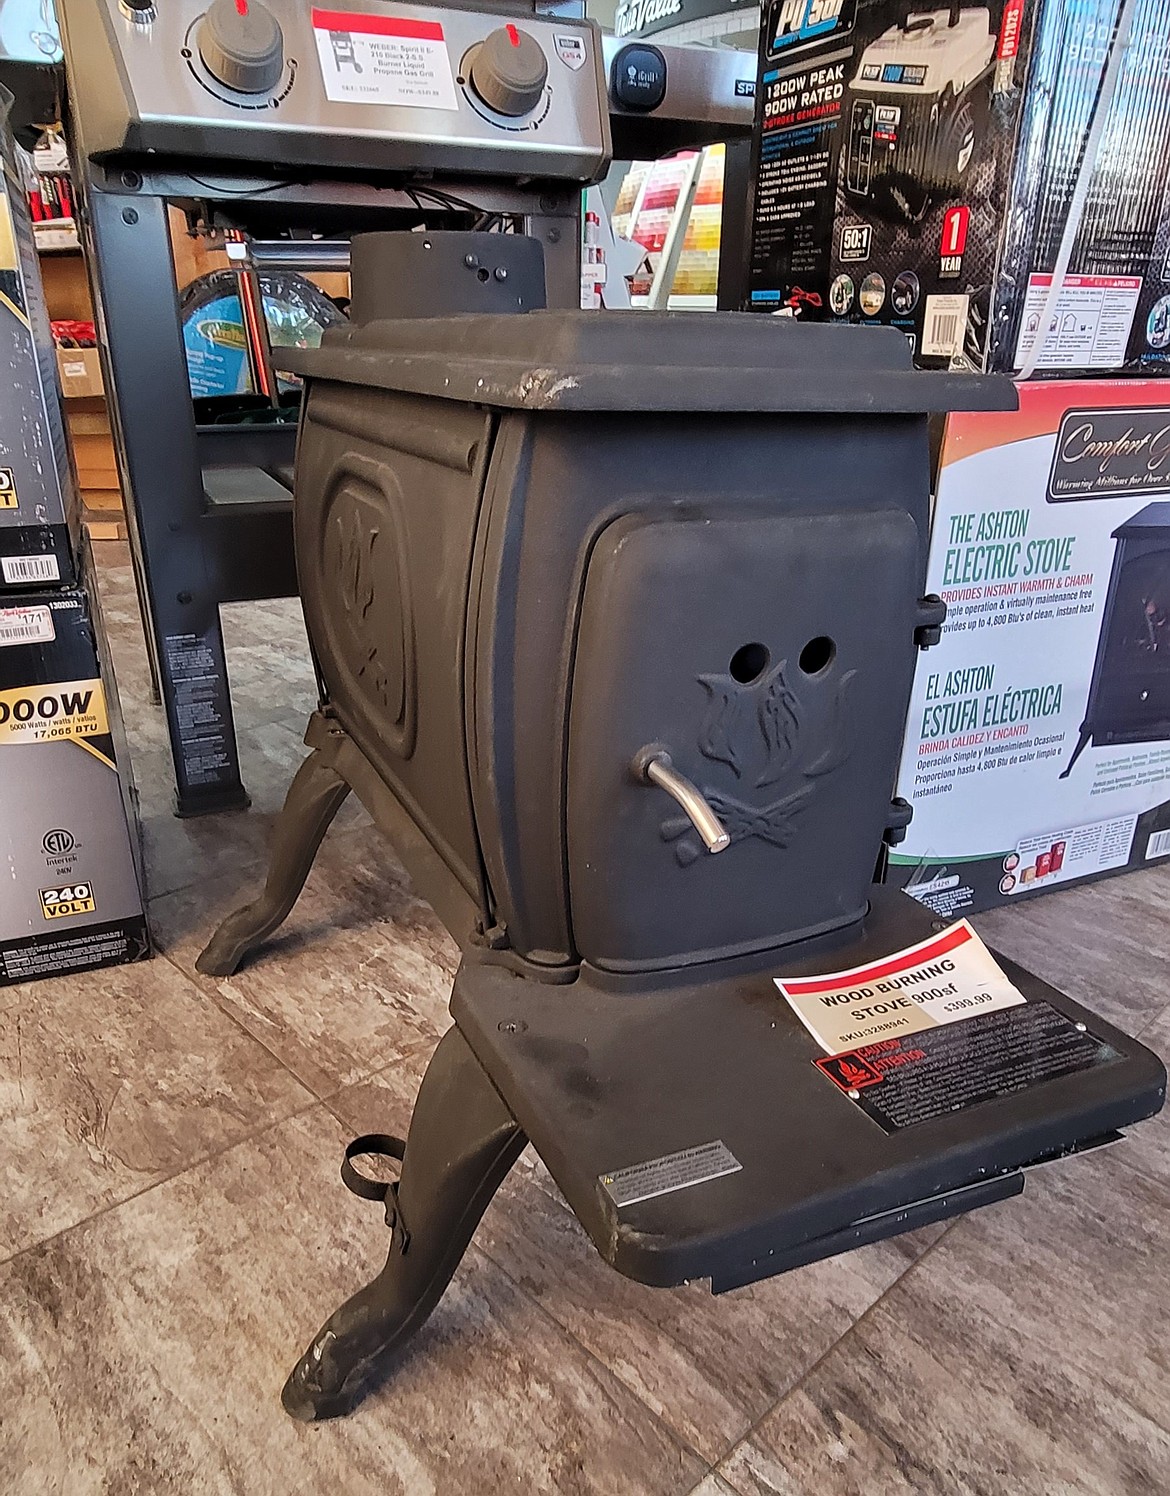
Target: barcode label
x,y
945,326
1158,845
26,626
19,569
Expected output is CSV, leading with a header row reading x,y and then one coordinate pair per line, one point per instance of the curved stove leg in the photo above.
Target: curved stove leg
x,y
314,798
462,1142
1082,743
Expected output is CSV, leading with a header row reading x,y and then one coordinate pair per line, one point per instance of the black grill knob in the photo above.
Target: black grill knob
x,y
241,45
509,71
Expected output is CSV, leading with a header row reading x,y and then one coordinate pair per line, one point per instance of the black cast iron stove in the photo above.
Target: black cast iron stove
x,y
616,617
1129,694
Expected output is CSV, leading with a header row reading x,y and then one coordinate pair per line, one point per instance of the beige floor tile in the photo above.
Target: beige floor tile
x,y
111,1080
1101,943
709,1367
359,974
145,1351
1024,1354
1147,1148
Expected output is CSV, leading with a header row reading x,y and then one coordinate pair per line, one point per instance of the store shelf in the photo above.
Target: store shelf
x,y
56,236
682,303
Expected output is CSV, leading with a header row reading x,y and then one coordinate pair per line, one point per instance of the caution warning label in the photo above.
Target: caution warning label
x,y
901,1082
941,980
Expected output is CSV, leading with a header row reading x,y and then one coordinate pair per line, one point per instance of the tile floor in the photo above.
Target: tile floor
x,y
174,1230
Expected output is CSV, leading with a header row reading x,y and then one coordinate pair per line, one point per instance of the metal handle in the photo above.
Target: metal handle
x,y
653,766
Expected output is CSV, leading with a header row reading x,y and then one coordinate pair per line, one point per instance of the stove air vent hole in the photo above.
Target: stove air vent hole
x,y
749,662
817,655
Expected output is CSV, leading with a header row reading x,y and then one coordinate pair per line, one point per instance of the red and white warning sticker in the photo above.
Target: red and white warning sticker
x,y
944,979
383,59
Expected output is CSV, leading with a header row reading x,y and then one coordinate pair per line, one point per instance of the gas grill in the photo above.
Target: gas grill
x,y
616,618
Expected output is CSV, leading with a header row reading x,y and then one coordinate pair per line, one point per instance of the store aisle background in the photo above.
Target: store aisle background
x,y
173,1227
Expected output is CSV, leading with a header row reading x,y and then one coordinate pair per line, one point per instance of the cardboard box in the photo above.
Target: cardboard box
x,y
80,373
1112,313
37,514
96,463
68,833
881,162
1037,751
915,164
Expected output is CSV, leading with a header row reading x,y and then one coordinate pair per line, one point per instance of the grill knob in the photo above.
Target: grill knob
x,y
241,45
509,71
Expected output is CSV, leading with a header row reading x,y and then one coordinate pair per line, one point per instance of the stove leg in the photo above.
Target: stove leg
x,y
314,798
461,1144
1082,744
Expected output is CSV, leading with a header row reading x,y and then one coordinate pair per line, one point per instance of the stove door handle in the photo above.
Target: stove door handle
x,y
652,766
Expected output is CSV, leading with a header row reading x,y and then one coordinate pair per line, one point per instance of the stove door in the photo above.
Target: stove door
x,y
771,657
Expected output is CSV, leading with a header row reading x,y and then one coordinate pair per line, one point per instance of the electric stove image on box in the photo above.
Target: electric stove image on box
x,y
1129,695
920,106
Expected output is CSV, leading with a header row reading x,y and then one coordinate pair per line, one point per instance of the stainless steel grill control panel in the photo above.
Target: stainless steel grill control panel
x,y
364,84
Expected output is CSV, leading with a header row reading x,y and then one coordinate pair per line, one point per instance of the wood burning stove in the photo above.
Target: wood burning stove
x,y
616,618
1129,694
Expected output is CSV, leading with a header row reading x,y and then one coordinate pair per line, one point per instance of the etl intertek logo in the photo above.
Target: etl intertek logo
x,y
797,23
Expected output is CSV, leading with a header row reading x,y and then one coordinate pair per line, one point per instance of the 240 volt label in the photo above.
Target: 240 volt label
x,y
72,898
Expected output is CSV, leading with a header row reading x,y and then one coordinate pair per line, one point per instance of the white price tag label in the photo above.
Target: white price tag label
x,y
17,570
941,980
383,59
945,326
26,626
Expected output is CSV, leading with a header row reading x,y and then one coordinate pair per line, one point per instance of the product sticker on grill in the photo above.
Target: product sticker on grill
x,y
571,50
383,59
26,626
901,1082
937,982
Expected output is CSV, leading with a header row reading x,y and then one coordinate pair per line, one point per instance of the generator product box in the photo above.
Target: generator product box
x,y
917,166
1111,311
1037,751
881,162
36,509
69,854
